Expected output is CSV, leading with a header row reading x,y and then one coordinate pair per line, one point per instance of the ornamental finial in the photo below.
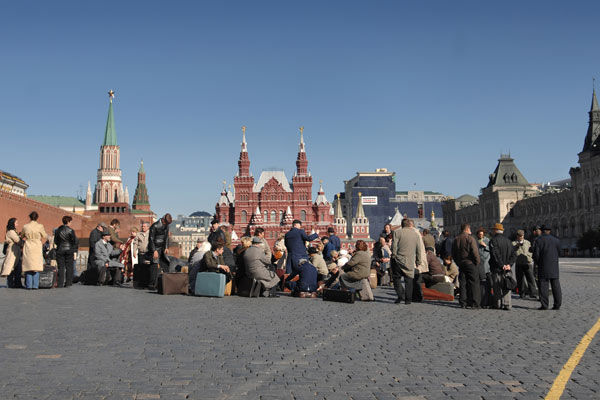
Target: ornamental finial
x,y
111,95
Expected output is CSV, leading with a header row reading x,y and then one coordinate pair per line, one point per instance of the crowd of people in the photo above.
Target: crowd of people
x,y
484,271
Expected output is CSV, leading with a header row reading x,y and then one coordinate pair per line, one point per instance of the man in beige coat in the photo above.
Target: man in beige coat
x,y
421,267
406,255
33,258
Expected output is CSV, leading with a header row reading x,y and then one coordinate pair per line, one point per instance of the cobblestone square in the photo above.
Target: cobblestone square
x,y
121,343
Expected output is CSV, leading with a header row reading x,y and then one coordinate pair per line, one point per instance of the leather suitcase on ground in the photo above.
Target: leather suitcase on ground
x,y
141,275
173,283
373,278
48,277
210,284
444,287
340,296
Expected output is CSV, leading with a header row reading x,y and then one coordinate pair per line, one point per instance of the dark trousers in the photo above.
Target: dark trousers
x,y
431,280
486,290
526,271
158,265
115,276
470,291
404,293
13,280
65,268
556,292
417,293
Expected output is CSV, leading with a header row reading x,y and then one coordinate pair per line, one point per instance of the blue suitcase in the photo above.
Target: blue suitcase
x,y
211,284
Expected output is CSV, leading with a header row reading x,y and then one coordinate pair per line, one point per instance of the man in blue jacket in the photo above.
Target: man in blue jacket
x,y
307,281
295,243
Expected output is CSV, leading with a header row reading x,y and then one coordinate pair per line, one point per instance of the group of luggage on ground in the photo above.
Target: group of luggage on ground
x,y
479,268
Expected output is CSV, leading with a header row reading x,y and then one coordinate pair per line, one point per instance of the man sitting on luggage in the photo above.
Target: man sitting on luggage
x,y
437,273
211,262
308,278
257,267
110,271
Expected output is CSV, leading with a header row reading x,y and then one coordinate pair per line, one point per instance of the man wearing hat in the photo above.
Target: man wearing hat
x,y
198,252
257,267
295,243
103,251
545,254
502,257
216,233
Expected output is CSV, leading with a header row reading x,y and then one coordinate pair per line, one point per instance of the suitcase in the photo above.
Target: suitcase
x,y
340,296
173,283
210,284
48,277
141,276
228,288
243,286
373,279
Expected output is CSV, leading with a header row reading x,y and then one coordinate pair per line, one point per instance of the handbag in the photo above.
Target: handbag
x,y
508,282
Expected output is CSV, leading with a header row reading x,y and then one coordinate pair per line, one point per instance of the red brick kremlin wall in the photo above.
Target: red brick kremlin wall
x,y
12,205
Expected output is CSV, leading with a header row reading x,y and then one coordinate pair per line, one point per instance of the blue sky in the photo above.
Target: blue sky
x,y
434,91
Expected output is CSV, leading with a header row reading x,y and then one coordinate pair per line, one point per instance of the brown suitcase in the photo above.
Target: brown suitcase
x,y
173,283
373,278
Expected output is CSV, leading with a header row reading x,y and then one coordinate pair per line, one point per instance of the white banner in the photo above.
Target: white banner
x,y
369,200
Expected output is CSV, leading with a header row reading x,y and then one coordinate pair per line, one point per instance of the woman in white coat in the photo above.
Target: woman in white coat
x,y
12,267
33,258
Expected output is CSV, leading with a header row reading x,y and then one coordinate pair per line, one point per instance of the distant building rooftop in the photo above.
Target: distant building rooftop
x,y
59,201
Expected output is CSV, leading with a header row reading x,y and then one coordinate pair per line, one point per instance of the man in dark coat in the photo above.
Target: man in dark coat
x,y
91,275
502,257
446,245
158,245
216,233
545,253
308,278
295,241
466,256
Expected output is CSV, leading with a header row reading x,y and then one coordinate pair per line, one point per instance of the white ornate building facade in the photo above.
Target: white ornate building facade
x,y
510,199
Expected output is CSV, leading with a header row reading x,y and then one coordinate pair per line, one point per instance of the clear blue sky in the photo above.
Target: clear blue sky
x,y
434,91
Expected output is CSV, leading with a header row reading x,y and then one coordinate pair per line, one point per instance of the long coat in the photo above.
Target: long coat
x,y
295,244
359,266
257,266
545,253
103,252
33,258
406,250
13,252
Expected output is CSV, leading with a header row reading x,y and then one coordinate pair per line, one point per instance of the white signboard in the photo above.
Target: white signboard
x,y
369,200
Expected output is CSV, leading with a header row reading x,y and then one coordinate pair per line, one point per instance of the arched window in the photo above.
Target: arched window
x,y
266,216
244,216
273,216
302,215
280,215
116,196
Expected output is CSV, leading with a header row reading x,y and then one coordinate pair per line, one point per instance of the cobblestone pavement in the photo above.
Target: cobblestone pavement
x,y
119,343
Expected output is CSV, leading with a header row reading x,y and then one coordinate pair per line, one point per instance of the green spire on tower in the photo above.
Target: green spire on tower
x,y
110,135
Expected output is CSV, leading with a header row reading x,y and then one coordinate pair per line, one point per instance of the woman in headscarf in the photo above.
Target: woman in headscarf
x,y
11,269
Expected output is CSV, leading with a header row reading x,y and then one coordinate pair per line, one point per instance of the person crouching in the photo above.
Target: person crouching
x,y
110,271
307,282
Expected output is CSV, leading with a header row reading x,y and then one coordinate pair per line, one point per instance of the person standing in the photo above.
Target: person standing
x,y
420,267
216,233
333,244
485,279
428,239
524,266
142,244
295,243
446,245
502,257
11,269
158,247
466,256
405,256
113,229
545,254
33,258
66,251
